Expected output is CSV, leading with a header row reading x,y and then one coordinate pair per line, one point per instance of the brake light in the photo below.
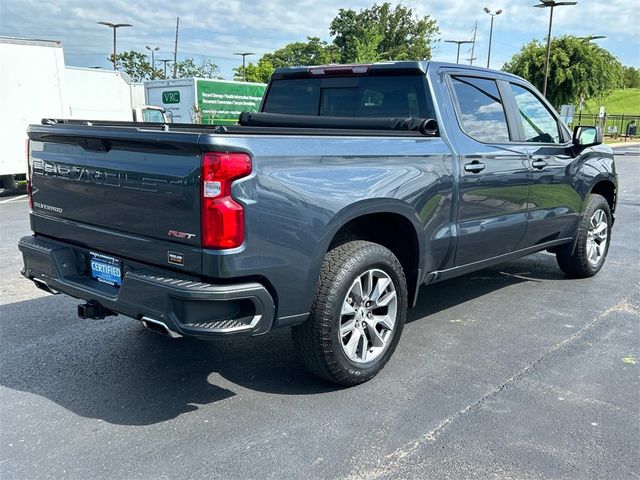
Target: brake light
x,y
29,187
339,70
222,218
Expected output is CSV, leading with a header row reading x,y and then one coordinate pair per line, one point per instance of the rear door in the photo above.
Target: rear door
x,y
494,173
554,203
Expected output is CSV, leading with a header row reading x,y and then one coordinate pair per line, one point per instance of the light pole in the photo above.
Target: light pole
x,y
590,38
153,51
244,55
549,4
458,42
493,14
115,27
164,65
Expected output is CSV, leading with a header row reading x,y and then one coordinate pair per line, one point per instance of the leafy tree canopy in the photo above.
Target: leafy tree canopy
x,y
312,52
188,68
383,33
577,69
138,67
631,77
373,34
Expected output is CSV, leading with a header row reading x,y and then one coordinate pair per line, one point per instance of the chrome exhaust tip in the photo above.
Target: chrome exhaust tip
x,y
42,285
159,327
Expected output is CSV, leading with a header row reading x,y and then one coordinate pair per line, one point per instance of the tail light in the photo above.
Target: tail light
x,y
222,218
29,187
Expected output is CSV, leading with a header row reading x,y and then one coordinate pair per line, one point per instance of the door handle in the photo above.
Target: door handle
x,y
539,163
474,167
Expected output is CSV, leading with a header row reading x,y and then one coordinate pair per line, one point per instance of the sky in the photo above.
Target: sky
x,y
215,30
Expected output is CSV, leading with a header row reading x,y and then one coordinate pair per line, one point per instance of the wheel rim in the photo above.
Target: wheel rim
x,y
368,316
597,237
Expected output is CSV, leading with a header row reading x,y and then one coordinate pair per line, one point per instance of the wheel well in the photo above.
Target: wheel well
x,y
606,189
392,231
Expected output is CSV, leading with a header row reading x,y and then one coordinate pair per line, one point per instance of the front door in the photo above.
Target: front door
x,y
554,204
494,173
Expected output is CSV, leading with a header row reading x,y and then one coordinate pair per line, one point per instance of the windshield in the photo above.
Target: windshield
x,y
152,115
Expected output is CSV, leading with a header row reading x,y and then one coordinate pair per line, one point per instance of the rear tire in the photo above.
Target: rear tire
x,y
592,242
357,316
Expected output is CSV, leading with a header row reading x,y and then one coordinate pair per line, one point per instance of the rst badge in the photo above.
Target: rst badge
x,y
183,235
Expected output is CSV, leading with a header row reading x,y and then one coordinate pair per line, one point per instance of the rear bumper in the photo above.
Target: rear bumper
x,y
185,304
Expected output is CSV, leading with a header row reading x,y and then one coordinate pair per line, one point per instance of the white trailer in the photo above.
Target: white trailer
x,y
32,83
96,94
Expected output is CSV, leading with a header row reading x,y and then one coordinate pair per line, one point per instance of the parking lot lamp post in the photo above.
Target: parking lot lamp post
x,y
115,27
493,14
244,71
153,51
550,4
458,42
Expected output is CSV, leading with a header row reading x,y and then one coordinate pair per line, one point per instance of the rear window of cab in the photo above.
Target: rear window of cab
x,y
375,96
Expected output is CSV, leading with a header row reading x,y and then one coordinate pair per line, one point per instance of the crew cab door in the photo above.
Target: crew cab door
x,y
494,174
554,204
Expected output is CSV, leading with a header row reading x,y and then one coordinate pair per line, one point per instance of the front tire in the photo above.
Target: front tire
x,y
357,316
592,242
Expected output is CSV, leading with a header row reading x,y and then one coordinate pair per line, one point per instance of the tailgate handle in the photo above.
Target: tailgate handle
x,y
95,144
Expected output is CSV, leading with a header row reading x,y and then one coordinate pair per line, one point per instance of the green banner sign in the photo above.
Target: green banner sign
x,y
222,102
171,96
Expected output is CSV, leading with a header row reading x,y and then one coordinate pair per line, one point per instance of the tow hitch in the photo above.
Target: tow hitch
x,y
94,310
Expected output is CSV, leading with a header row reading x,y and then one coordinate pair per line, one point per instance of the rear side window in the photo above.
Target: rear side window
x,y
480,109
539,124
391,96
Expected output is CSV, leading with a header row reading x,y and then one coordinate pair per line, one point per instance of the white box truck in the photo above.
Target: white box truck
x,y
32,77
35,84
201,100
96,94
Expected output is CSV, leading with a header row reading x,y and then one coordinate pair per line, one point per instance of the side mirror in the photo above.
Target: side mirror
x,y
587,136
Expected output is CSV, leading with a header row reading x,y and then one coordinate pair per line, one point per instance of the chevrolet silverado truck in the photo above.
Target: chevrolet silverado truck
x,y
325,212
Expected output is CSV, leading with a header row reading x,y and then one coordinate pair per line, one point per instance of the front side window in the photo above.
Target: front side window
x,y
539,124
481,110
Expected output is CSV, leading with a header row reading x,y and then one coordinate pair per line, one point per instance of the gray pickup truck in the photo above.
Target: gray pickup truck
x,y
325,212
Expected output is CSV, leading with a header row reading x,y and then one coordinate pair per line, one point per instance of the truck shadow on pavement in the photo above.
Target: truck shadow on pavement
x,y
116,371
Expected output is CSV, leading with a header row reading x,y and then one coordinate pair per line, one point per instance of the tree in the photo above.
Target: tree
x,y
259,72
577,69
631,77
383,33
367,47
370,35
188,68
138,67
312,52
135,64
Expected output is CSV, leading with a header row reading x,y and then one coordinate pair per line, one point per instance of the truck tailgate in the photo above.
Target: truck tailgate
x,y
117,189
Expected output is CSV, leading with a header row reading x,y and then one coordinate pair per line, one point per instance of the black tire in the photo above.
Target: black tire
x,y
319,341
575,263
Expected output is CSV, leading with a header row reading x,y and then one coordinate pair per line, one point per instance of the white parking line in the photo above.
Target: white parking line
x,y
14,199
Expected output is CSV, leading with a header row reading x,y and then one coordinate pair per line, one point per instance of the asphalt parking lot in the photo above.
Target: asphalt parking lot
x,y
514,372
